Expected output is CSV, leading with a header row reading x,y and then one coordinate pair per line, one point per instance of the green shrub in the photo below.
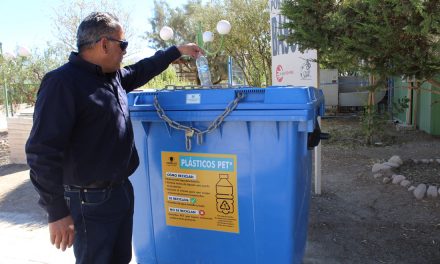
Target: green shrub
x,y
168,77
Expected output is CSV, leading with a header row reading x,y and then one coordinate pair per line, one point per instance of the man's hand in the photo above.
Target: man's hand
x,y
62,233
190,49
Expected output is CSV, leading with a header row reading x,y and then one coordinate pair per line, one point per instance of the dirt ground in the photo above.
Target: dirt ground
x,y
357,218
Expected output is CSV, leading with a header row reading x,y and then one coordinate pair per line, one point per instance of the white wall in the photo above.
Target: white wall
x,y
289,66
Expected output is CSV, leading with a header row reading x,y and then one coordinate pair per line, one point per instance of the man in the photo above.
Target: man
x,y
81,149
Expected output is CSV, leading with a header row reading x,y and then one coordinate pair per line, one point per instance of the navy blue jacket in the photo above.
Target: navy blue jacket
x,y
82,131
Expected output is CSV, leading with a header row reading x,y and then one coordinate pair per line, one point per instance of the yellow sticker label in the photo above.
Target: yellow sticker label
x,y
200,190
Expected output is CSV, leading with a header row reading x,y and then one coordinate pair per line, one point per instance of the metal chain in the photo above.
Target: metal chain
x,y
191,131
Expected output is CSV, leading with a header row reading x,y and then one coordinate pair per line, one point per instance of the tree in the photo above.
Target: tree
x,y
43,61
179,19
166,78
379,38
23,75
69,14
248,42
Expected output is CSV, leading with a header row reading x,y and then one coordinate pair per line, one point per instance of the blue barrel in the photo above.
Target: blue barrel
x,y
224,175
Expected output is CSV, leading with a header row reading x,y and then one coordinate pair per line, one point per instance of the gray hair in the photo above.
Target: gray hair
x,y
94,27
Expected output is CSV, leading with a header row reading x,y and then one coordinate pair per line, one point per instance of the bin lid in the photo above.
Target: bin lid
x,y
270,98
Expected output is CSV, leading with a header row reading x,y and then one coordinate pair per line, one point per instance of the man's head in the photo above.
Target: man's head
x,y
100,40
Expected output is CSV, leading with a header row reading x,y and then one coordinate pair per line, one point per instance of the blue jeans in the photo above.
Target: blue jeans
x,y
103,220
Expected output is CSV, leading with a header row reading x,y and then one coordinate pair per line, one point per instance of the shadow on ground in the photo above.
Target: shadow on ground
x,y
12,168
19,207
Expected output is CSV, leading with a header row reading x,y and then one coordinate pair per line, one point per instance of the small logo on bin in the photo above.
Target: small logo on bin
x,y
171,161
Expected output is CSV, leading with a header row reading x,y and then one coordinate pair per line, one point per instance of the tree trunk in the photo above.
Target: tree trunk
x,y
410,104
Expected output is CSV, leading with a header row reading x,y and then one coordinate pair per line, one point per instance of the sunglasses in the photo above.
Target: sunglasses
x,y
123,44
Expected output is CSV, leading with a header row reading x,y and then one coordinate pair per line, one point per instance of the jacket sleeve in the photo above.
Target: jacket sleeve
x,y
138,74
54,117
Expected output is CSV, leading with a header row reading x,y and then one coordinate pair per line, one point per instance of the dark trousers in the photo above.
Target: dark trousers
x,y
103,220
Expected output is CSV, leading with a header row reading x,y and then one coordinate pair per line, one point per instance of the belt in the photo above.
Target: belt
x,y
97,185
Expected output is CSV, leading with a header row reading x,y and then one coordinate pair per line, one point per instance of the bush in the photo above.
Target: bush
x,y
168,77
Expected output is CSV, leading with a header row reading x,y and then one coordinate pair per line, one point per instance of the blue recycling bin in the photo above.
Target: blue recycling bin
x,y
224,175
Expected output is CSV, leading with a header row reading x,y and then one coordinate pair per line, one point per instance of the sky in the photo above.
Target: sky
x,y
27,23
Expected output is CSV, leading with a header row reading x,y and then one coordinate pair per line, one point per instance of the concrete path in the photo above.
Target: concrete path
x,y
24,236
21,245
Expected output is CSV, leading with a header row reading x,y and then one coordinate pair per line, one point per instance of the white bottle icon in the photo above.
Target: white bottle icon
x,y
224,195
